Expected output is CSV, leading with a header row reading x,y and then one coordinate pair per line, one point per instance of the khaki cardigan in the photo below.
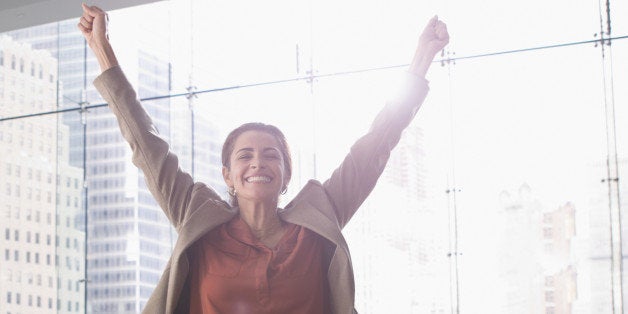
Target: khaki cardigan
x,y
194,208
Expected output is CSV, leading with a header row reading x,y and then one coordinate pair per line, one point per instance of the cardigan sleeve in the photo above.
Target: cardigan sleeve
x,y
174,189
355,178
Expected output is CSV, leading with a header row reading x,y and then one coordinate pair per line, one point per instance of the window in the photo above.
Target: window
x,y
12,62
21,65
549,296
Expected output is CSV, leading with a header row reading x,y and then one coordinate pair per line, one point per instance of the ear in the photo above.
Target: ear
x,y
226,177
286,180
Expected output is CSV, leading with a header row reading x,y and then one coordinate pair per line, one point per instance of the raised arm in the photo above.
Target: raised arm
x,y
93,25
357,175
173,188
432,40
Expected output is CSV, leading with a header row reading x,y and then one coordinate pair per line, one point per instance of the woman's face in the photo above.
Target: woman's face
x,y
257,171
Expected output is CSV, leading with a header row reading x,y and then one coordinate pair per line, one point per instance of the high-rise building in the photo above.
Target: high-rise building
x,y
598,247
42,264
400,268
538,266
129,238
559,262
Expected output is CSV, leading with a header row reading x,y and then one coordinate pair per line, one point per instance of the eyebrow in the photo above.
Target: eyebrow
x,y
249,149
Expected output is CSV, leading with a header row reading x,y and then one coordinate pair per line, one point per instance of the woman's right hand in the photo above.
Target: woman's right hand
x,y
93,25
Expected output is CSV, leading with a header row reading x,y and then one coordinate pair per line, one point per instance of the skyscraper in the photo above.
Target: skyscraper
x,y
42,263
538,262
398,269
129,238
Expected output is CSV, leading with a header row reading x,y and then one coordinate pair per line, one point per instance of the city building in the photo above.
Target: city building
x,y
538,266
400,226
129,238
42,268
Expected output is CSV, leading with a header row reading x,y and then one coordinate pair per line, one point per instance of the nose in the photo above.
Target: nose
x,y
257,163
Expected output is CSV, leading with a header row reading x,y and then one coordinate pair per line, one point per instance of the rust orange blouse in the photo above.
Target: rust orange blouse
x,y
231,271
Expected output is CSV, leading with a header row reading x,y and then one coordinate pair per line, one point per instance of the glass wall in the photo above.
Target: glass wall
x,y
503,196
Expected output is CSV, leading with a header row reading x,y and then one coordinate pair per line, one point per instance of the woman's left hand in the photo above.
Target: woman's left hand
x,y
433,39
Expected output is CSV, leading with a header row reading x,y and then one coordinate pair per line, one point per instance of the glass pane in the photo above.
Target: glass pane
x,y
404,218
529,147
496,199
619,60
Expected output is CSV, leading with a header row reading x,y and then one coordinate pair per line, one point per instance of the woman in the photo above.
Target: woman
x,y
251,256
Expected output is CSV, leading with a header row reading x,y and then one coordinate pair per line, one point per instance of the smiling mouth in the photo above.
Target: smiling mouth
x,y
258,179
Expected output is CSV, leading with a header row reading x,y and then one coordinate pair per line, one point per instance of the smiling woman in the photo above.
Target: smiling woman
x,y
278,151
250,256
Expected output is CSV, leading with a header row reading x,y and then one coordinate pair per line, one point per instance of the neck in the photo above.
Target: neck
x,y
263,221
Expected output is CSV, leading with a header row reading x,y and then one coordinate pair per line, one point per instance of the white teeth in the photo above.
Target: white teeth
x,y
263,179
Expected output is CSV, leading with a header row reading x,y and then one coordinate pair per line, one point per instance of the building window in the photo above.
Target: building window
x,y
21,65
9,297
1,57
549,281
549,296
32,69
41,72
13,62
